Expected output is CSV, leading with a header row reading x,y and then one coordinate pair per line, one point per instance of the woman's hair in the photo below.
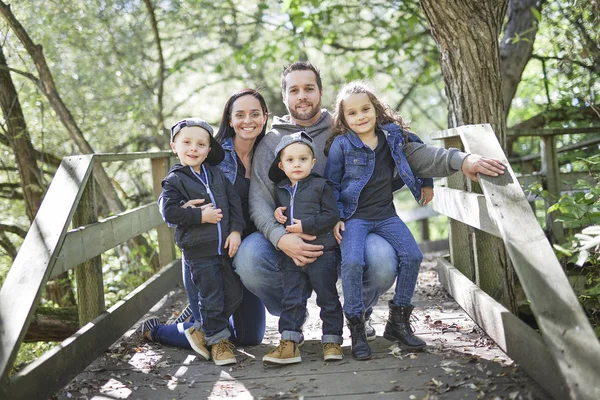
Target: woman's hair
x,y
383,112
226,131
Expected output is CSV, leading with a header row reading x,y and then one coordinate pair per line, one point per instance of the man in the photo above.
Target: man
x,y
258,258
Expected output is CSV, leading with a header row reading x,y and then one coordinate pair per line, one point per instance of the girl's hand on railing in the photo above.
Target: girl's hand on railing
x,y
474,163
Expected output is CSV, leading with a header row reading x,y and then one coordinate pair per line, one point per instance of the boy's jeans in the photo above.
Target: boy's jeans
x,y
298,284
258,264
247,325
214,292
396,233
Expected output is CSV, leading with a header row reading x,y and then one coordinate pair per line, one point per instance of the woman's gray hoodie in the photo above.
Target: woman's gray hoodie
x,y
425,161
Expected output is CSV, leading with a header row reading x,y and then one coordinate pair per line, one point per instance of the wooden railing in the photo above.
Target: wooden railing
x,y
565,358
51,248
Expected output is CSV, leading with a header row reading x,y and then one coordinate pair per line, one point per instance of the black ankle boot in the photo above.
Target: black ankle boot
x,y
398,328
360,347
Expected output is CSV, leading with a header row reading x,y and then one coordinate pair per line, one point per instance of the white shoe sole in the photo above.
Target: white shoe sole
x,y
333,357
227,361
197,349
371,338
281,361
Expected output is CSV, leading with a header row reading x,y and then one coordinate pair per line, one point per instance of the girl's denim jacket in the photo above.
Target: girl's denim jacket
x,y
350,164
229,164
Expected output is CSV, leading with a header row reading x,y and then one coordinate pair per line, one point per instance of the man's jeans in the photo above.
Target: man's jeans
x,y
298,284
258,264
214,292
247,325
396,233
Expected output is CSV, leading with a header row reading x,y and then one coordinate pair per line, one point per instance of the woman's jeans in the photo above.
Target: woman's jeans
x,y
259,264
247,325
298,284
397,234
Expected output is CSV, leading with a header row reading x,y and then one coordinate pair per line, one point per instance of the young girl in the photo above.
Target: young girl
x,y
366,163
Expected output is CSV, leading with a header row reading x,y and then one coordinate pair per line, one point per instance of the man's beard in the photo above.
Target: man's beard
x,y
306,114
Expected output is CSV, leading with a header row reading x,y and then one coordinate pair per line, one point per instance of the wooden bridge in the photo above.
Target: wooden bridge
x,y
493,232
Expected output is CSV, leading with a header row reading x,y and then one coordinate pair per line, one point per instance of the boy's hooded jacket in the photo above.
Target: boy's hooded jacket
x,y
193,237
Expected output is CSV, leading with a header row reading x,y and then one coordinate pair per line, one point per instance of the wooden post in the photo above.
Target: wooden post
x,y
88,275
166,239
424,229
552,173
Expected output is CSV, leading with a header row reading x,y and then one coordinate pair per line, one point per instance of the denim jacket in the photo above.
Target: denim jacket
x,y
350,165
229,164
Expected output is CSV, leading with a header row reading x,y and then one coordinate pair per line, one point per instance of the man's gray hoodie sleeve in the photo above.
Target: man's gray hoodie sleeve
x,y
431,161
262,194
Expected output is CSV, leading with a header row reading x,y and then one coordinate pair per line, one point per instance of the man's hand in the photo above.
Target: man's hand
x,y
233,242
474,164
210,214
426,195
337,231
278,214
296,228
295,247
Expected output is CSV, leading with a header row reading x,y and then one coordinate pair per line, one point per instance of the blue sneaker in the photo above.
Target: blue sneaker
x,y
147,325
184,316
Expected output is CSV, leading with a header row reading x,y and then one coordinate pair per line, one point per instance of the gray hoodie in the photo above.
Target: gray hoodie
x,y
426,162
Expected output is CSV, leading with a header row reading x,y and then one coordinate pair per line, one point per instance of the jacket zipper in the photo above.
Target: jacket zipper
x,y
212,200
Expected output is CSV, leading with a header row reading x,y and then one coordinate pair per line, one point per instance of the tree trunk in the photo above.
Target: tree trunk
x,y
52,324
467,33
161,67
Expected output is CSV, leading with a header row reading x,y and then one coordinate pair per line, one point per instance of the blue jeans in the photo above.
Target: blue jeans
x,y
247,325
396,233
298,284
258,263
214,292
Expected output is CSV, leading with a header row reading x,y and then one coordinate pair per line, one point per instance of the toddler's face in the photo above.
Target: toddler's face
x,y
192,145
297,160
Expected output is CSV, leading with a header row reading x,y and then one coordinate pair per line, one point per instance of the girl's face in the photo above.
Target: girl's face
x,y
359,114
247,118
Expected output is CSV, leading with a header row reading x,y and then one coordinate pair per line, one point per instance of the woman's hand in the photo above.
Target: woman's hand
x,y
279,216
233,242
296,227
337,231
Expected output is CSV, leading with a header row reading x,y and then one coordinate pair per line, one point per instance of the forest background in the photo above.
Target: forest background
x,y
112,76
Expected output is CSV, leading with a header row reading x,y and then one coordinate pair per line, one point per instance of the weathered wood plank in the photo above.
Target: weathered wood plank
x,y
417,214
468,208
85,242
31,269
517,339
165,236
563,324
110,157
61,364
553,131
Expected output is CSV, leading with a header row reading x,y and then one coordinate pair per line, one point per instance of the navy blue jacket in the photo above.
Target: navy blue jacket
x,y
312,201
193,237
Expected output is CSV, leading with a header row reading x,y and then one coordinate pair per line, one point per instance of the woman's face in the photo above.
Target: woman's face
x,y
247,118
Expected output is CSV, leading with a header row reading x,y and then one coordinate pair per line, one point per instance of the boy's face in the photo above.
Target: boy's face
x,y
192,145
297,161
302,97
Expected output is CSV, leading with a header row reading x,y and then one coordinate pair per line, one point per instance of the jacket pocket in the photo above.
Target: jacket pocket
x,y
356,165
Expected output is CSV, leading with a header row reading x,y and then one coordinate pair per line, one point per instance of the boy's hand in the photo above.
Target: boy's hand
x,y
192,203
426,195
296,227
233,242
337,231
278,214
210,214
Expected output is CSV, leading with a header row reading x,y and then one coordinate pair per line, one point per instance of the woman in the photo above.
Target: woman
x,y
243,126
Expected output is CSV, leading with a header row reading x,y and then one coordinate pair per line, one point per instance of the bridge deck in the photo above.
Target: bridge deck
x,y
460,363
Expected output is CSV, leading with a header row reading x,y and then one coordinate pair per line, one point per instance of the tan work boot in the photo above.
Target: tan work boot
x,y
286,353
332,351
197,341
222,353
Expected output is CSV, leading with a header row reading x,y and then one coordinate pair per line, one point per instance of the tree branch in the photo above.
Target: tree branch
x,y
17,230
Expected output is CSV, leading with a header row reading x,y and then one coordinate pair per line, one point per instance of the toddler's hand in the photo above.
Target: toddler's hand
x,y
233,243
426,195
296,227
279,216
337,231
210,214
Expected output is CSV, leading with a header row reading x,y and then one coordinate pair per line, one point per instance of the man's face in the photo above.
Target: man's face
x,y
302,97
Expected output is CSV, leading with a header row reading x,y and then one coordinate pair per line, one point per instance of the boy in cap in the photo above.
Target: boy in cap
x,y
306,204
208,235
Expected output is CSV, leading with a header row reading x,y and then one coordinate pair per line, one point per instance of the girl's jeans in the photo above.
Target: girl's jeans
x,y
259,264
397,234
298,284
